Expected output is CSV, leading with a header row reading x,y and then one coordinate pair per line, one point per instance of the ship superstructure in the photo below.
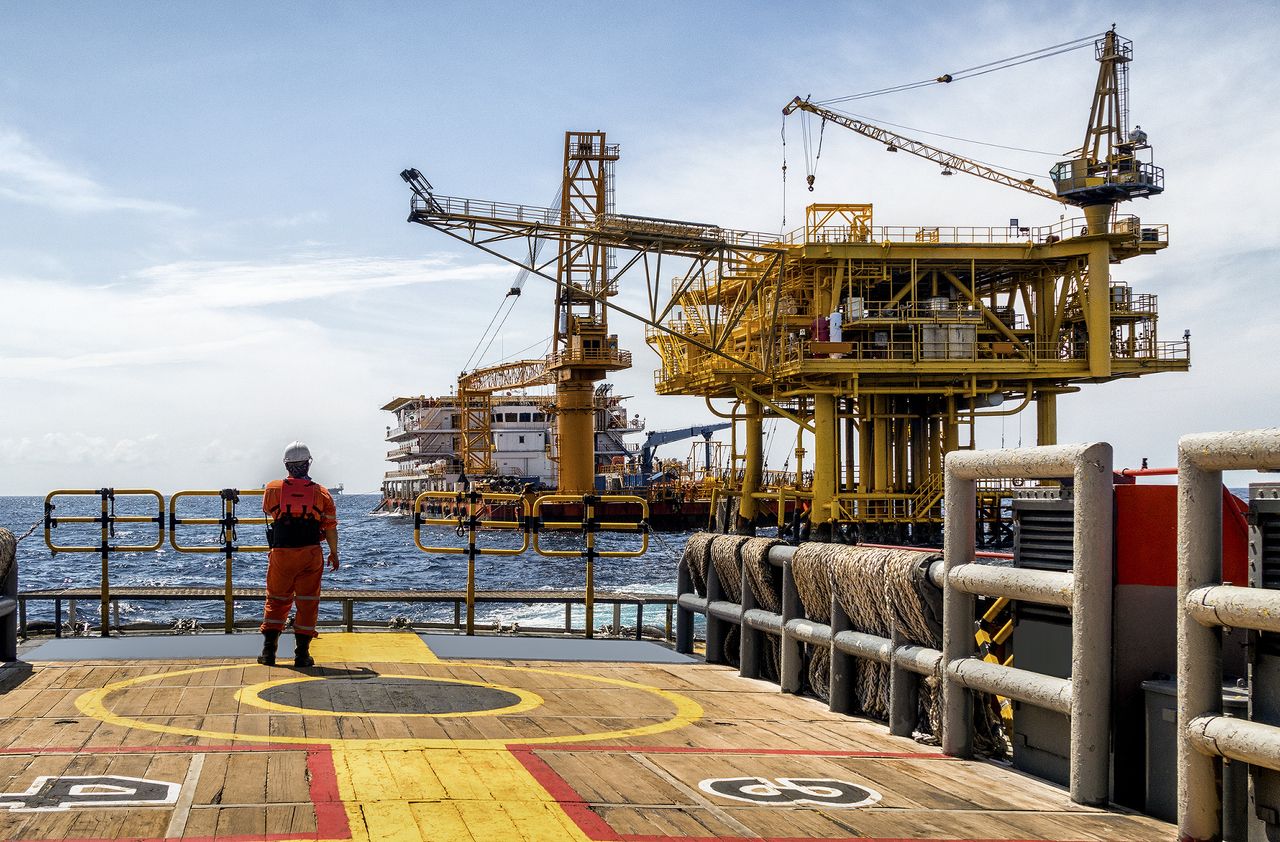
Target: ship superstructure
x,y
520,443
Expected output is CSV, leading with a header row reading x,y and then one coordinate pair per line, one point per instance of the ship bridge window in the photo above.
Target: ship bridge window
x,y
539,417
511,417
525,417
497,416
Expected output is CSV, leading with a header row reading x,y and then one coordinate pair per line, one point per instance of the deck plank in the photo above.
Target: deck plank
x,y
419,776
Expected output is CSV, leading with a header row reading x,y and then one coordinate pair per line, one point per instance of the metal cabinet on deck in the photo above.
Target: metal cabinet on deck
x,y
1144,623
1264,660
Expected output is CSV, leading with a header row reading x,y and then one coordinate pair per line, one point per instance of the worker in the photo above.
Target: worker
x,y
301,512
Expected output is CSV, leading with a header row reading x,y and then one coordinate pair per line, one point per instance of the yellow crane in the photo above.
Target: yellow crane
x,y
895,142
1107,168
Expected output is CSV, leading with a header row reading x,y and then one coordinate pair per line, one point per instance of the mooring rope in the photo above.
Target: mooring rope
x,y
879,589
696,557
765,582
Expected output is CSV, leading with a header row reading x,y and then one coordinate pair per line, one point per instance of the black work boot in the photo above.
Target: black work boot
x,y
302,651
270,640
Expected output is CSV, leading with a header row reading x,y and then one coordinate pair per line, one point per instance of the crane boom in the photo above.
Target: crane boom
x,y
895,141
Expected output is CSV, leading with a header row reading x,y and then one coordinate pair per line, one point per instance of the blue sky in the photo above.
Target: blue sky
x,y
203,252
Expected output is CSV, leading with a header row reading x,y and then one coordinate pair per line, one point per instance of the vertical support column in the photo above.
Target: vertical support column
x,y
850,447
753,468
575,432
957,611
1046,418
880,443
1199,650
825,467
1098,306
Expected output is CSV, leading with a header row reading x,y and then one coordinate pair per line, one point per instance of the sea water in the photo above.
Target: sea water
x,y
377,552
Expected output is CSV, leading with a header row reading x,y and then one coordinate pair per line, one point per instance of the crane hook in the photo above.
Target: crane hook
x,y
809,180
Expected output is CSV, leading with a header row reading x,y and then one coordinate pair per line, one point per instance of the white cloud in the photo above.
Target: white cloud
x,y
205,283
29,175
76,448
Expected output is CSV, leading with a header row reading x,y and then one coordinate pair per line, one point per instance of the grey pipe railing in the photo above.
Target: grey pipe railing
x,y
906,662
1205,605
1086,696
8,596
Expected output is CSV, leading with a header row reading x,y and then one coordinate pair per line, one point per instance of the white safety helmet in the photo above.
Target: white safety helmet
x,y
297,452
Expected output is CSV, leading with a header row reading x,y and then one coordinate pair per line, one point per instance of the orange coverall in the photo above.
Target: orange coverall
x,y
294,572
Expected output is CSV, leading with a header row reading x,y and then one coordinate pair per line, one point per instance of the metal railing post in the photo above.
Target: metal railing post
x,y
684,616
1205,604
9,589
717,629
105,550
1086,696
958,548
792,656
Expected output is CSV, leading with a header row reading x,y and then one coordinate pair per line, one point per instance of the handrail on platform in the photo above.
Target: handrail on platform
x,y
106,521
1205,606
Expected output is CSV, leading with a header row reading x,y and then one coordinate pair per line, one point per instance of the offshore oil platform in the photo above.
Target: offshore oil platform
x,y
881,345
884,346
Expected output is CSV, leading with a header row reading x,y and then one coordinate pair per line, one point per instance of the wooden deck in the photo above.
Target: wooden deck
x,y
384,741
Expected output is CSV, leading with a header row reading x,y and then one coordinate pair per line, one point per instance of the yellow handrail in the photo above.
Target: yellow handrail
x,y
107,521
228,522
469,510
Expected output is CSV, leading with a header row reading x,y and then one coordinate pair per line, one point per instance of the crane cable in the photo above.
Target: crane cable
x,y
976,70
508,302
811,164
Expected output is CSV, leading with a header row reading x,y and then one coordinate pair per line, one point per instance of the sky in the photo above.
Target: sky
x,y
203,246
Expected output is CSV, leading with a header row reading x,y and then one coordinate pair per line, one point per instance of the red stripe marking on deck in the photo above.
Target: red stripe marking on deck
x,y
331,815
598,830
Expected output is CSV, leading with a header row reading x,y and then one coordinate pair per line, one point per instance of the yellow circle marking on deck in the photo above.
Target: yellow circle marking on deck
x,y
251,696
687,711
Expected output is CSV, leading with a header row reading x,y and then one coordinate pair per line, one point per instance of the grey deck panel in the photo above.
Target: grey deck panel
x,y
504,647
198,646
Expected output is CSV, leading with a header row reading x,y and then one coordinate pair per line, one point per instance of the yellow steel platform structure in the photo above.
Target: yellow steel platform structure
x,y
884,344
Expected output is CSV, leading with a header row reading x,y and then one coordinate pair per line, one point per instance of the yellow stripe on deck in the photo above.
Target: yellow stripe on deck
x,y
384,647
443,796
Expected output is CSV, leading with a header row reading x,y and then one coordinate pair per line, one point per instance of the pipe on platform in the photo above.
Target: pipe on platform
x,y
1048,587
1201,460
1255,743
1235,607
1046,691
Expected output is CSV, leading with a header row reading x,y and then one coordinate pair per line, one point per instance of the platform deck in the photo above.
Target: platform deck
x,y
384,740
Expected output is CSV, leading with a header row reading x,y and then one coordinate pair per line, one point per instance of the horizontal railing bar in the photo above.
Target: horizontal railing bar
x,y
869,646
817,634
1255,743
126,593
1034,688
761,620
1048,587
1235,607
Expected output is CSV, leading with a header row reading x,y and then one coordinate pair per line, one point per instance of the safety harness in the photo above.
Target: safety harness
x,y
295,517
